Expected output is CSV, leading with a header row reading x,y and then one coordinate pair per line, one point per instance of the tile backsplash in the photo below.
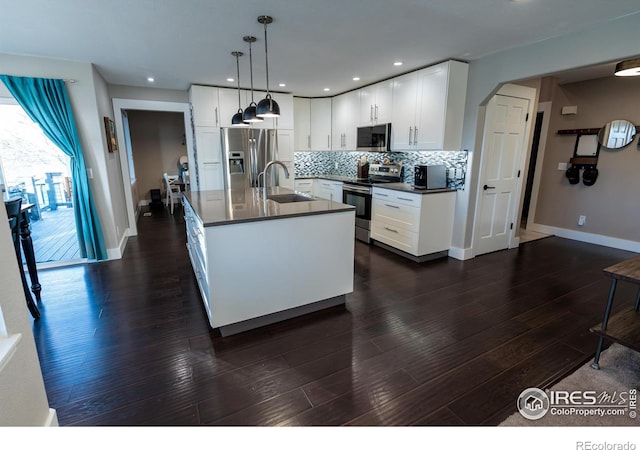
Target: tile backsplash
x,y
345,163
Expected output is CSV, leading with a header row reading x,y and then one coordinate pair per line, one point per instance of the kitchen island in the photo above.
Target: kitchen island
x,y
258,261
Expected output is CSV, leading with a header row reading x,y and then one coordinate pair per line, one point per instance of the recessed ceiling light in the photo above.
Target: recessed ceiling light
x,y
230,80
397,63
356,78
327,89
282,85
151,79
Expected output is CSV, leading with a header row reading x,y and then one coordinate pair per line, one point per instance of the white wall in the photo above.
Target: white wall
x,y
89,102
23,400
139,93
611,41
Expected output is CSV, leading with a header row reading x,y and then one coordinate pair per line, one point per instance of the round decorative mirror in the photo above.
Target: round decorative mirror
x,y
616,134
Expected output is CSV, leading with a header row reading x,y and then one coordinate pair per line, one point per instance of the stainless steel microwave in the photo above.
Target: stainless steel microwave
x,y
374,138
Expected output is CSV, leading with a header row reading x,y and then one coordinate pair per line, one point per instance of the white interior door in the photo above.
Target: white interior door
x,y
502,152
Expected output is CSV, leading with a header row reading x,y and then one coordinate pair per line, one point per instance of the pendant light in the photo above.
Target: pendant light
x,y
267,106
249,114
236,120
628,68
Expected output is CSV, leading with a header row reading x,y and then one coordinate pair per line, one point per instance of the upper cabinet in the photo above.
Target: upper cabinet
x,y
302,123
312,124
204,100
344,120
214,107
228,104
428,108
425,109
320,123
375,103
285,102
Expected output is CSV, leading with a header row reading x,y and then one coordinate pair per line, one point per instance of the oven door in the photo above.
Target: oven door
x,y
360,197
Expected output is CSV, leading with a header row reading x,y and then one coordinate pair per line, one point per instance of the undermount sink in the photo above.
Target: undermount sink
x,y
290,198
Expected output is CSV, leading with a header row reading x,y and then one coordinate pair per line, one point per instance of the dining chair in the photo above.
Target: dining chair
x,y
174,194
14,214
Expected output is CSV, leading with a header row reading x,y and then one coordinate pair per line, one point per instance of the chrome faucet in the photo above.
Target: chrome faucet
x,y
264,175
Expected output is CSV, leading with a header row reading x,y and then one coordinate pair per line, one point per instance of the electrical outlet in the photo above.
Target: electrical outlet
x,y
562,166
582,220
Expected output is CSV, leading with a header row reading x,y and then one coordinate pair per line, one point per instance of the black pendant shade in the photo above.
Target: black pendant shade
x,y
267,106
628,68
236,120
249,114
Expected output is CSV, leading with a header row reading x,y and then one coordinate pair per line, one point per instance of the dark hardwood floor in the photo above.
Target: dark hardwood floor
x,y
126,342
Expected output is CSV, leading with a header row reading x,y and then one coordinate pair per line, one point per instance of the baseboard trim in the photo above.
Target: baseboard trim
x,y
418,259
461,254
116,253
598,239
52,419
257,322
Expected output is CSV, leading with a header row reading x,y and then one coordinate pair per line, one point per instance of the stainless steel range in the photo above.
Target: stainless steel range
x,y
357,192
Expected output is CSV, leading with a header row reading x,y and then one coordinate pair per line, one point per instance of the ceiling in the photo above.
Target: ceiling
x,y
313,44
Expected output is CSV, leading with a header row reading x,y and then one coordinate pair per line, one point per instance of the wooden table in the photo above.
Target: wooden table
x,y
623,327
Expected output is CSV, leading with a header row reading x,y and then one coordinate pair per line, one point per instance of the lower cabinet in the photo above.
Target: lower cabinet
x,y
305,185
417,224
329,190
197,248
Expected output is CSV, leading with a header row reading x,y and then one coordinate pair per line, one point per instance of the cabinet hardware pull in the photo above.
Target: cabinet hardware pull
x,y
415,136
376,115
390,229
309,141
392,206
382,195
328,141
371,113
405,199
410,130
217,122
485,187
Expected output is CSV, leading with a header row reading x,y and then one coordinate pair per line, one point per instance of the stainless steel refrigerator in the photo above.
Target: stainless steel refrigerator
x,y
246,151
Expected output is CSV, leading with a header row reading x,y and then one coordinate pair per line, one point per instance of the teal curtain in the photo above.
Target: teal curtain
x,y
47,103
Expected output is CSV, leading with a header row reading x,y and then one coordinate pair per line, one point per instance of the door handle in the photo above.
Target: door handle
x,y
485,187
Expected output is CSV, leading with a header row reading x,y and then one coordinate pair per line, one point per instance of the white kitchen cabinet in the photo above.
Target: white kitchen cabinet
x,y
344,121
302,123
211,176
305,185
285,145
417,224
285,154
228,104
204,101
428,108
208,158
328,189
286,119
208,144
320,120
404,110
375,103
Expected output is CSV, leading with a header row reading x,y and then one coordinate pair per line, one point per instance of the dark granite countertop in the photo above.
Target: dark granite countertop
x,y
406,187
229,206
